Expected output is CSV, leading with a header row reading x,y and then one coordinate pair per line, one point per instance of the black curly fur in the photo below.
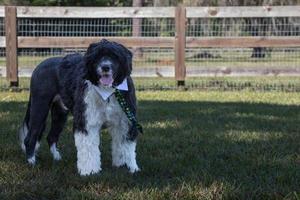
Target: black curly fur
x,y
130,99
72,75
67,77
111,49
73,81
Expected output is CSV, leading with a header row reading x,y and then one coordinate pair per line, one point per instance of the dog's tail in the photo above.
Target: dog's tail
x,y
24,127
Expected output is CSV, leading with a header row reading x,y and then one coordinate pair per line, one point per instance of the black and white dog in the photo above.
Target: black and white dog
x,y
84,86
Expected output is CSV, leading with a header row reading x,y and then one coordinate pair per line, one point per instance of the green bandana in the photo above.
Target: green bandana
x,y
128,112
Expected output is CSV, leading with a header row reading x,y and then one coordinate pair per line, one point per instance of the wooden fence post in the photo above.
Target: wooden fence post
x,y
137,29
11,45
180,26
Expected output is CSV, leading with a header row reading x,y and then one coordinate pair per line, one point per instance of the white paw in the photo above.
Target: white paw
x,y
55,153
134,169
23,147
31,160
118,162
86,171
57,156
37,146
22,135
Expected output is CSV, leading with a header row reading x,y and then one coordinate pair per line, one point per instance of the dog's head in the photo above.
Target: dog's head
x,y
108,63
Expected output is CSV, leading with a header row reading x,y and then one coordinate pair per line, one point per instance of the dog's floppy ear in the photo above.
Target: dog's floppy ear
x,y
90,58
126,53
91,48
93,51
94,47
125,59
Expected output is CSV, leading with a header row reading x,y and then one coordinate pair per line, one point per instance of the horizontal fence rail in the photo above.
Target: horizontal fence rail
x,y
242,11
83,42
179,36
152,12
92,12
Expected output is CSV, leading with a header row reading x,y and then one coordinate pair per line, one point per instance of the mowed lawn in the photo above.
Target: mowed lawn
x,y
196,145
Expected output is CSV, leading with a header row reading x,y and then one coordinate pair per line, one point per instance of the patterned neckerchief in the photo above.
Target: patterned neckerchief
x,y
127,110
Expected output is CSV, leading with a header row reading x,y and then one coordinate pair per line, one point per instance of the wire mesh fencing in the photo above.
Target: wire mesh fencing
x,y
158,62
146,59
243,61
233,27
199,58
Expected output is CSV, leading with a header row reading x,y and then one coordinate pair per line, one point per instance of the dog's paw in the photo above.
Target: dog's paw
x,y
118,162
55,153
87,172
23,147
133,170
56,156
37,146
31,160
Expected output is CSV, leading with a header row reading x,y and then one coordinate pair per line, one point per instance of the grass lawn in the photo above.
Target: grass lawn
x,y
260,83
196,145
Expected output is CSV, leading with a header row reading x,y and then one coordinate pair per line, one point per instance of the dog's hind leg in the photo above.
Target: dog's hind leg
x,y
38,114
58,119
23,131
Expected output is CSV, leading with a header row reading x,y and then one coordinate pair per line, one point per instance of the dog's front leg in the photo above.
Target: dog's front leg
x,y
87,123
88,153
123,149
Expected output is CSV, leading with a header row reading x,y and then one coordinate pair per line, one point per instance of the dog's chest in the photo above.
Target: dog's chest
x,y
111,106
103,111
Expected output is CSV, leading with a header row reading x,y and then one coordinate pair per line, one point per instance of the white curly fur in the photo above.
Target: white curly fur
x,y
97,113
22,135
54,151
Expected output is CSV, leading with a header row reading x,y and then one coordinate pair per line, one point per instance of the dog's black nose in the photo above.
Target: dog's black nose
x,y
105,68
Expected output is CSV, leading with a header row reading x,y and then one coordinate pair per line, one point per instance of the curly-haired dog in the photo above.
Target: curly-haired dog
x,y
84,86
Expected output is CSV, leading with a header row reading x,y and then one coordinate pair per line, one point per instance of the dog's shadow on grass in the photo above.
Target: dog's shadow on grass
x,y
252,147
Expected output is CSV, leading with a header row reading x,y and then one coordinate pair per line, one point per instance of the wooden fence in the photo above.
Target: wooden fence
x,y
11,41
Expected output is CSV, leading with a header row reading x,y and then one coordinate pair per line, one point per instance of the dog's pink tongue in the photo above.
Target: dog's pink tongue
x,y
106,80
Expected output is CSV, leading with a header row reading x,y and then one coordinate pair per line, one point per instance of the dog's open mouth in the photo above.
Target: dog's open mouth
x,y
106,80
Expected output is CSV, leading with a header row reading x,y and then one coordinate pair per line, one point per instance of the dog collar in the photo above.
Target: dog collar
x,y
106,92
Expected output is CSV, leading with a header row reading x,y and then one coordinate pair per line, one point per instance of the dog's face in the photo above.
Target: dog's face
x,y
107,70
108,63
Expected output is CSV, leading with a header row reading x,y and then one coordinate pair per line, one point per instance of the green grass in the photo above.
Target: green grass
x,y
288,84
196,145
